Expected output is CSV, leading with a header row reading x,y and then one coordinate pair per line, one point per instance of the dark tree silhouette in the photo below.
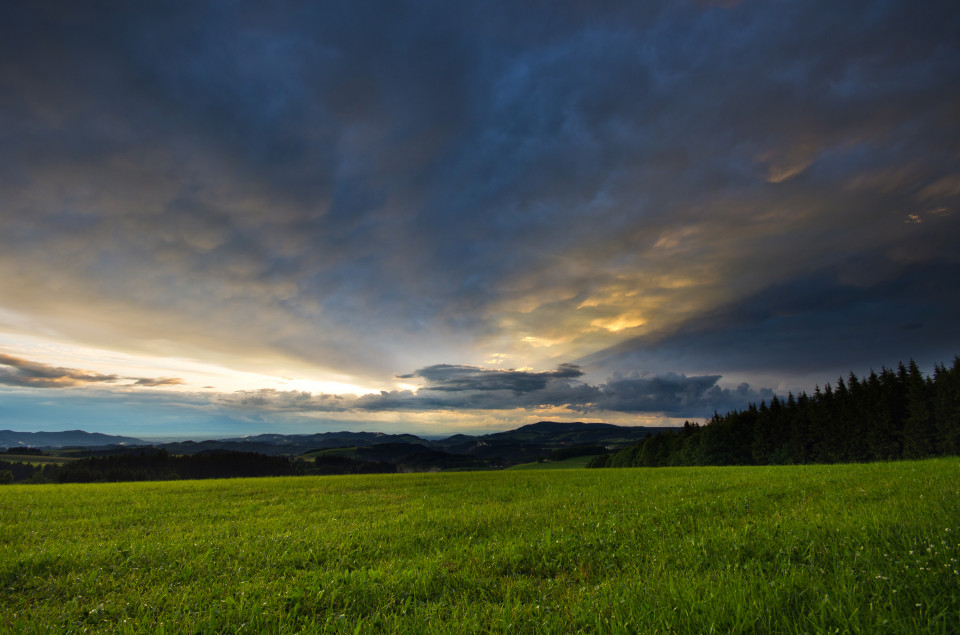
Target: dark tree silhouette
x,y
885,416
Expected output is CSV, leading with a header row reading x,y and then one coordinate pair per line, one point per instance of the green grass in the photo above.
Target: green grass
x,y
566,464
856,548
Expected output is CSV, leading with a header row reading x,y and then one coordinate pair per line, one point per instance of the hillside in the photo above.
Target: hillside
x,y
358,452
69,438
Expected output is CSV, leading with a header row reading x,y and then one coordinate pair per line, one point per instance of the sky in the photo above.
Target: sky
x,y
228,218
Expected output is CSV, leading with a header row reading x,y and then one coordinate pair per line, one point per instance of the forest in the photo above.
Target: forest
x,y
890,415
156,464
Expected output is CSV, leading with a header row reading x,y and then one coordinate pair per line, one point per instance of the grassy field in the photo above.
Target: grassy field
x,y
566,464
860,548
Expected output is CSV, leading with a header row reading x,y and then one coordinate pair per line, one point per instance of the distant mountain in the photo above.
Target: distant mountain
x,y
407,451
330,439
498,448
69,438
576,432
540,439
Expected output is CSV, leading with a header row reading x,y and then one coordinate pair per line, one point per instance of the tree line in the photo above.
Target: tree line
x,y
151,464
890,415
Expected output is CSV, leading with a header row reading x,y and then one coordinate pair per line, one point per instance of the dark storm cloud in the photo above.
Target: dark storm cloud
x,y
451,378
468,388
448,387
554,394
15,371
675,395
373,184
802,323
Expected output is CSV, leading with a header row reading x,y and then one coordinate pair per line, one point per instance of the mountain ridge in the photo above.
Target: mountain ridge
x,y
78,438
527,443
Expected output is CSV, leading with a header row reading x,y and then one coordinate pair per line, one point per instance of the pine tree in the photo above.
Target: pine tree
x,y
882,436
857,420
761,448
822,428
800,442
946,407
841,428
919,428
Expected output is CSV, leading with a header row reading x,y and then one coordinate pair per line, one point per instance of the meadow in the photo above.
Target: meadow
x,y
849,548
566,464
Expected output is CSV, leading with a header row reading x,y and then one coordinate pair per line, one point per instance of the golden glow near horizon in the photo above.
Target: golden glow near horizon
x,y
196,376
451,421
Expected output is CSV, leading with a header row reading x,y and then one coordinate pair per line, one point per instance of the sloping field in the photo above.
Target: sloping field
x,y
566,464
869,548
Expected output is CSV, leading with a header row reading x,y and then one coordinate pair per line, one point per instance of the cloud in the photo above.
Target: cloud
x,y
675,395
160,381
356,189
450,378
876,314
454,387
26,373
22,372
286,401
448,387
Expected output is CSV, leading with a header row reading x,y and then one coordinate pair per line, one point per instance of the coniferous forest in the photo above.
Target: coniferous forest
x,y
890,415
